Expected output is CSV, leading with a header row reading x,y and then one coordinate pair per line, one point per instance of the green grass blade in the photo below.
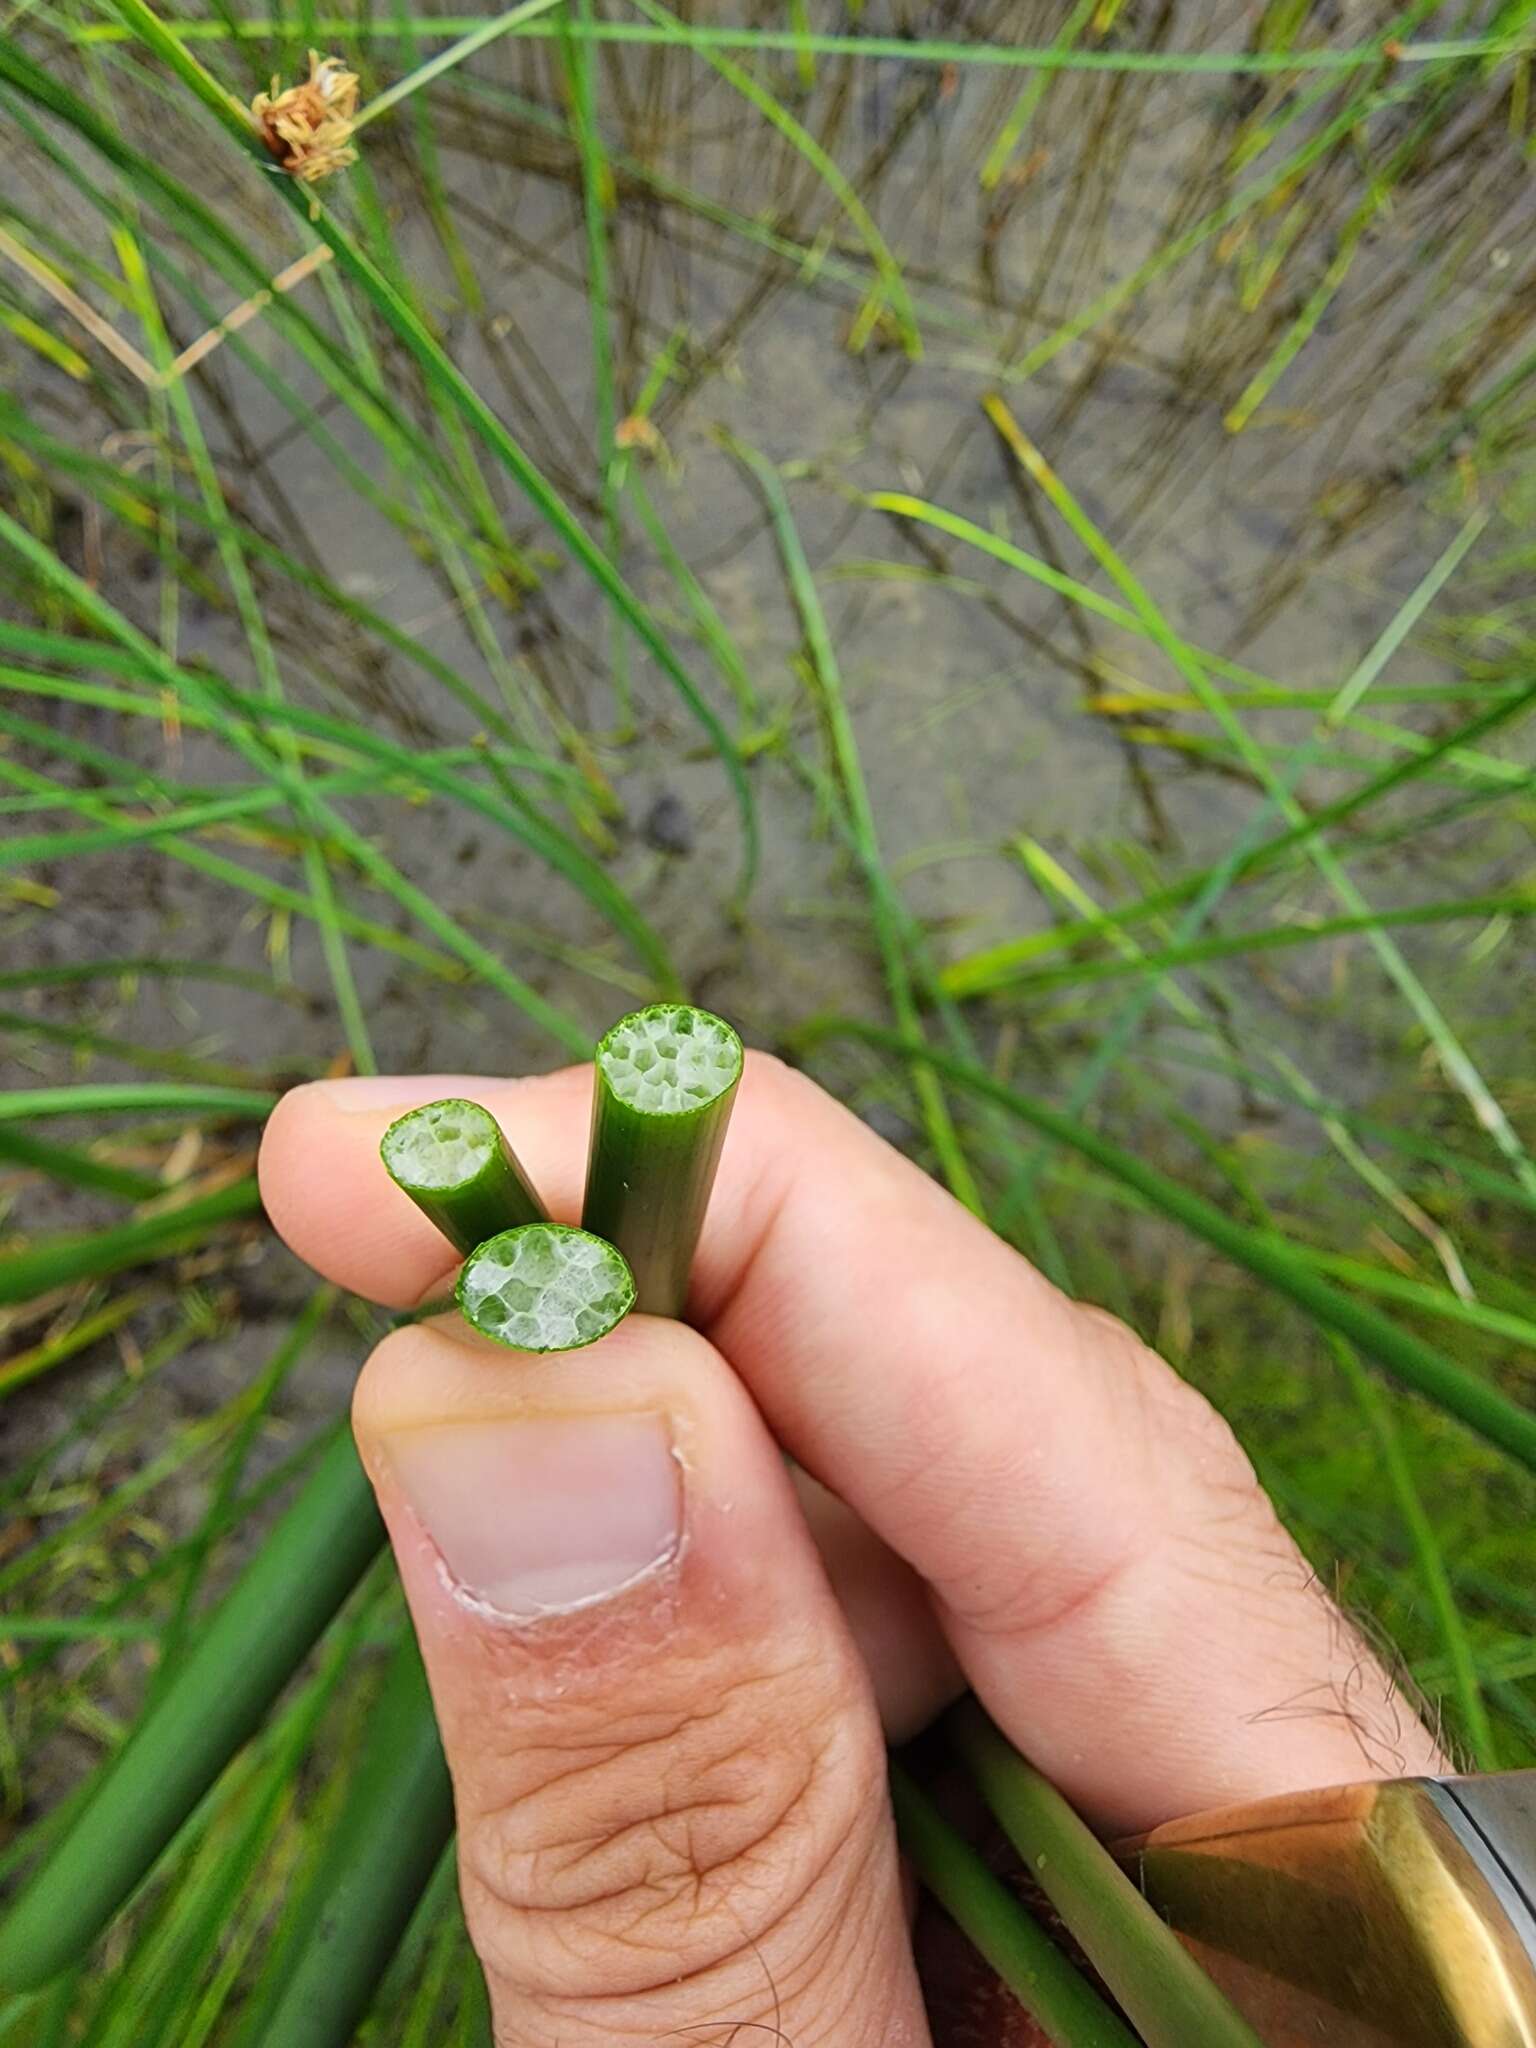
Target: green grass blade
x,y
75,1168
1466,1685
115,1098
1489,1113
453,387
917,50
892,285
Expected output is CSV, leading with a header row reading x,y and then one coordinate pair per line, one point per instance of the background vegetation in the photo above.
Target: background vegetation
x,y
979,525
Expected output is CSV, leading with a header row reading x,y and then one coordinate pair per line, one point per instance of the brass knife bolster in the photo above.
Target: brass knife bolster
x,y
1396,1914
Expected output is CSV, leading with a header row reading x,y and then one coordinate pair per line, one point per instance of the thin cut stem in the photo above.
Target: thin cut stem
x,y
666,1080
453,1160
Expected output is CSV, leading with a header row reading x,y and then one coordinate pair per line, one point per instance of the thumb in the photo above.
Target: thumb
x,y
666,1758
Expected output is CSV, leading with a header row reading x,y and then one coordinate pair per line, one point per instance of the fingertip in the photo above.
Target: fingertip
x,y
330,1200
441,1371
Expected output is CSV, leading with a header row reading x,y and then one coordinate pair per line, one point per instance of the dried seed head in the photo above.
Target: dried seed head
x,y
308,128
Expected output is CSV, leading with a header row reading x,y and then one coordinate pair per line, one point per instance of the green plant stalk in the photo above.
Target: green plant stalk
x,y
152,1058
107,486
919,50
197,1936
597,188
655,1149
513,813
58,1260
276,895
388,1839
97,1098
78,1169
1157,1983
242,1656
1465,1679
307,817
255,1406
1023,1955
55,1349
453,1160
1279,790
1028,101
892,288
1404,1357
1269,939
887,910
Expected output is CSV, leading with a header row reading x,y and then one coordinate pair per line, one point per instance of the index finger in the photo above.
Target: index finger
x,y
1112,1579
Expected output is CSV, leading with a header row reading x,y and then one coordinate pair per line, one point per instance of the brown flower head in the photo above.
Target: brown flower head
x,y
308,128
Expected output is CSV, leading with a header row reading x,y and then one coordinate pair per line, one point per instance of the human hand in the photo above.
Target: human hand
x,y
662,1703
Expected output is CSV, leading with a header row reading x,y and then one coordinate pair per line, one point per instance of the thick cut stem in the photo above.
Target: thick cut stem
x,y
666,1080
545,1287
454,1162
243,1655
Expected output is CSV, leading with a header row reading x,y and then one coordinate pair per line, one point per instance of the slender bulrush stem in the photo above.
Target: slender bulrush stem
x,y
243,1656
388,1839
666,1080
1018,1948
1163,1991
453,1160
58,1261
545,1287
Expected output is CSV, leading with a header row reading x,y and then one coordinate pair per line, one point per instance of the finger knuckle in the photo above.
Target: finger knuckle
x,y
1186,1490
1177,1419
1206,1505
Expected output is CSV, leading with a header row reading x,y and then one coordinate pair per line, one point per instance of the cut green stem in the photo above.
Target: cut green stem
x,y
1163,1991
666,1080
453,1160
243,1656
1018,1948
545,1287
